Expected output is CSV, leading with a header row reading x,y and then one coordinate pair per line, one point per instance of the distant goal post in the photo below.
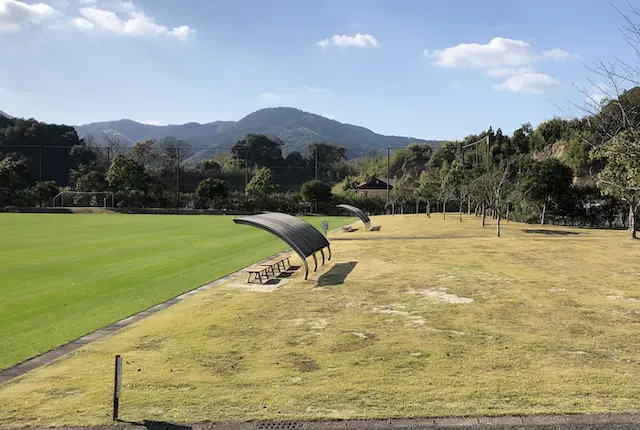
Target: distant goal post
x,y
104,199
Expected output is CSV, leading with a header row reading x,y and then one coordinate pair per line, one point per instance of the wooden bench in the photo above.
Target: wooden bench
x,y
375,228
258,274
279,265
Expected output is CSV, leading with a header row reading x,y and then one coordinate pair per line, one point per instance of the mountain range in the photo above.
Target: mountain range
x,y
296,128
6,115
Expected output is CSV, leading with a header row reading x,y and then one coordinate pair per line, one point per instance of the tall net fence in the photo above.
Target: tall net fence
x,y
169,172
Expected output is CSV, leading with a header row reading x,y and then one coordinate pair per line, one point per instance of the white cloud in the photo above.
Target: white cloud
x,y
273,99
315,90
268,97
59,4
499,72
131,22
152,122
557,54
83,24
344,41
528,83
498,53
15,14
503,57
599,93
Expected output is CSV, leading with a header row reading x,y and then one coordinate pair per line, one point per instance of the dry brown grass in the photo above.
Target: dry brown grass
x,y
552,327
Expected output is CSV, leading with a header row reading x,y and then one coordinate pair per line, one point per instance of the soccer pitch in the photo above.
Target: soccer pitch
x,y
62,276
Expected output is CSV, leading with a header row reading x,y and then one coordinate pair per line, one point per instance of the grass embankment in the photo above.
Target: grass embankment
x,y
62,276
542,320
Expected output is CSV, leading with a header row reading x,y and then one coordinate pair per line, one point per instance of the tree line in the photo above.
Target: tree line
x,y
580,170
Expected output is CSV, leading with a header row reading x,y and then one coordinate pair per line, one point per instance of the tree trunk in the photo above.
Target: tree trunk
x,y
469,205
477,211
428,209
498,224
444,210
418,207
484,215
460,210
544,211
401,208
632,220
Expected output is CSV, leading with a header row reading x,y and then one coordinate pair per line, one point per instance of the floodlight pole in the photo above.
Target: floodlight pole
x,y
178,176
488,140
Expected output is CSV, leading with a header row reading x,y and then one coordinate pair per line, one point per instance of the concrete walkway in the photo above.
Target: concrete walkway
x,y
538,422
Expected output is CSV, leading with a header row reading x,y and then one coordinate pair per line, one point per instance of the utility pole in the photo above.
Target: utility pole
x,y
316,164
41,161
246,168
388,178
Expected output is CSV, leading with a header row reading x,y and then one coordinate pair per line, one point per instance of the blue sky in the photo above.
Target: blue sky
x,y
418,68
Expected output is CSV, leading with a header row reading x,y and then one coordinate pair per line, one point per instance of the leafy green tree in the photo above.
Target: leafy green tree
x,y
536,141
404,191
520,139
92,181
208,166
262,184
499,185
14,175
447,153
621,175
211,192
259,149
316,192
130,180
32,140
576,155
44,192
429,187
347,185
545,182
448,186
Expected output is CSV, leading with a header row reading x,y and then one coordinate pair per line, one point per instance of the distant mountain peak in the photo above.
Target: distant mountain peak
x,y
6,115
295,127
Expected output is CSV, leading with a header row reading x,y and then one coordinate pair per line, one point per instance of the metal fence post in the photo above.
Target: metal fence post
x,y
117,387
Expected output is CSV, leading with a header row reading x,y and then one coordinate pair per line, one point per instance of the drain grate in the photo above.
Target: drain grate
x,y
280,425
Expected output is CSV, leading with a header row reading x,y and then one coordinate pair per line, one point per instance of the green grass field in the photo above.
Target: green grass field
x,y
62,276
452,321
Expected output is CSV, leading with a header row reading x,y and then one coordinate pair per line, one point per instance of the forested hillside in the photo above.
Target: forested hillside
x,y
295,128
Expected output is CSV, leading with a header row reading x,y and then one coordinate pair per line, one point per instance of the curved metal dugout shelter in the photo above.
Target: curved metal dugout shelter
x,y
301,236
357,212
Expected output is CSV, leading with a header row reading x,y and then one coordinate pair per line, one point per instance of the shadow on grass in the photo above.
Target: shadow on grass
x,y
271,282
337,274
551,232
